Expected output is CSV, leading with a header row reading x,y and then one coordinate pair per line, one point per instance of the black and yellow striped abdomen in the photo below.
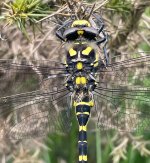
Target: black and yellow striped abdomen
x,y
82,61
83,113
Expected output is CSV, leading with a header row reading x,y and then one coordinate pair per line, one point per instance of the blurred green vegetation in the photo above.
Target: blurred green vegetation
x,y
25,13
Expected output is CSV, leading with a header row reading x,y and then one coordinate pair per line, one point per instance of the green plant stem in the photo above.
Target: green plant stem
x,y
98,147
73,141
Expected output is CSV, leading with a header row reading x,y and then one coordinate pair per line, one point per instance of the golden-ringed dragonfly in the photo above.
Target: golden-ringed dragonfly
x,y
39,94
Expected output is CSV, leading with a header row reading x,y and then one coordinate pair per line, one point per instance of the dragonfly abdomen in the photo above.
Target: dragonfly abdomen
x,y
82,62
83,113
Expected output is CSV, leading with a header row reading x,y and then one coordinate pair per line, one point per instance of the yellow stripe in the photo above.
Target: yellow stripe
x,y
82,128
80,32
65,62
78,113
87,50
80,43
82,141
96,64
96,58
90,103
83,158
80,158
83,80
72,52
78,80
79,65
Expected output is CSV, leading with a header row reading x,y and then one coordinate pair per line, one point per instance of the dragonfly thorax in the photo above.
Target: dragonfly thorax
x,y
81,64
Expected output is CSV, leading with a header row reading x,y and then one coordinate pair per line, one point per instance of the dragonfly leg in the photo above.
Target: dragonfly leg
x,y
61,29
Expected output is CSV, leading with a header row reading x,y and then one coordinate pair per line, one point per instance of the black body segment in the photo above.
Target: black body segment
x,y
82,114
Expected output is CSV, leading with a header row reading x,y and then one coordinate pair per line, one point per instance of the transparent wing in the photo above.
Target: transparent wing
x,y
123,95
126,69
31,112
24,76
